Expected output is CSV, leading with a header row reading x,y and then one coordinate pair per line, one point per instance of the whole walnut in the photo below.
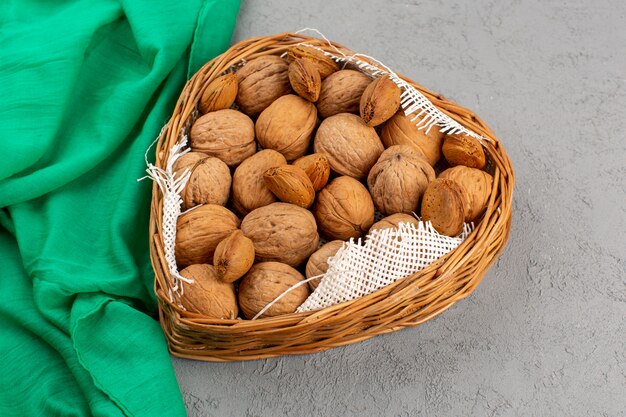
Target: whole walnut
x,y
352,147
226,134
198,232
460,149
316,167
264,283
318,262
341,93
324,65
209,183
287,125
261,81
476,185
392,222
398,180
402,130
207,295
219,94
442,205
249,189
187,161
281,232
344,209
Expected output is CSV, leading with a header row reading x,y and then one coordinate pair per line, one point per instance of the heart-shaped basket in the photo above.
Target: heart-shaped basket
x,y
407,302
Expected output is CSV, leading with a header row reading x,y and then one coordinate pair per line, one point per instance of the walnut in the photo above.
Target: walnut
x,y
344,209
287,125
316,167
264,283
476,185
187,161
318,262
208,295
380,101
461,149
442,205
209,183
352,147
392,222
341,93
402,130
226,134
281,232
233,257
199,230
219,94
261,81
324,64
249,189
290,184
305,79
398,180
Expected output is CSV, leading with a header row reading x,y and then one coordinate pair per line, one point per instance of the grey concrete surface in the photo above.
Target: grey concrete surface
x,y
545,332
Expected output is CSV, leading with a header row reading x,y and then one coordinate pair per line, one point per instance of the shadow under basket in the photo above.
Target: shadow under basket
x,y
407,302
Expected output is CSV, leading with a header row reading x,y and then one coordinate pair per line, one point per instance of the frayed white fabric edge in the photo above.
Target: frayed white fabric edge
x,y
171,186
412,101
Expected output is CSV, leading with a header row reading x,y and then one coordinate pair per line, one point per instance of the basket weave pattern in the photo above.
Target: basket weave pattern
x,y
408,302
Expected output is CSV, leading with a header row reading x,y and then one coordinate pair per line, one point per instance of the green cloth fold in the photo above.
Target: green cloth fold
x,y
86,87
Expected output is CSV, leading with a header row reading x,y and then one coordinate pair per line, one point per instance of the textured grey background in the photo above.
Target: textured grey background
x,y
545,332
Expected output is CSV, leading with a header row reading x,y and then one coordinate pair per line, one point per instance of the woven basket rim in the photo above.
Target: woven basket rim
x,y
441,284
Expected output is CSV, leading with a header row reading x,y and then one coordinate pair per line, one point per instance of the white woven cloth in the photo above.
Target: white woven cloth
x,y
386,256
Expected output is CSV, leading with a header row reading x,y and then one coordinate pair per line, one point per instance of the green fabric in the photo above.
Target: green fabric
x,y
85,87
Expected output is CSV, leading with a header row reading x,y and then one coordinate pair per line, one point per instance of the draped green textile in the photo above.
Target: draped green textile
x,y
85,87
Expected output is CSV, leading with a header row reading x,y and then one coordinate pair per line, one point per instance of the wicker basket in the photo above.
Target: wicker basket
x,y
408,302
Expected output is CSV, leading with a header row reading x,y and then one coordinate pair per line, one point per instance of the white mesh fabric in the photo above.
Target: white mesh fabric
x,y
386,256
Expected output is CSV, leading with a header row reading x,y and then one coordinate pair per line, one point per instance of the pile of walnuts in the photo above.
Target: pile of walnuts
x,y
336,147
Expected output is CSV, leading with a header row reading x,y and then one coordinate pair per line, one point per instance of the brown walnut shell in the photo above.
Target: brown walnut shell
x,y
341,93
316,167
398,180
264,283
290,184
476,185
249,189
287,126
219,94
318,262
226,134
392,222
324,65
187,161
233,257
208,295
352,147
380,101
402,130
305,79
460,149
199,230
209,183
261,81
442,205
281,232
344,209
